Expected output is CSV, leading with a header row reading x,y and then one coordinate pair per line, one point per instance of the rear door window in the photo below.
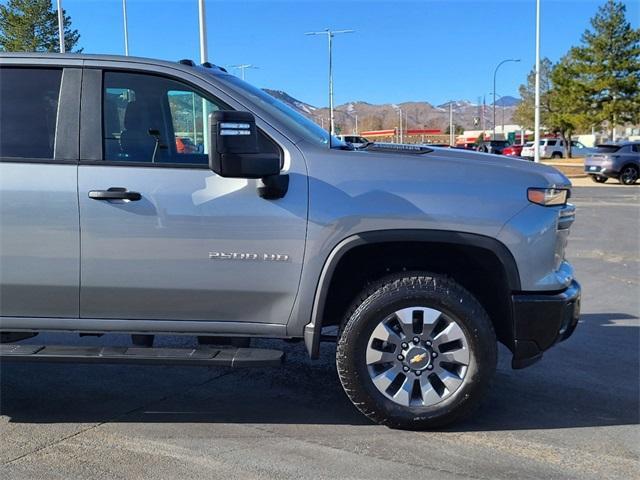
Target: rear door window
x,y
28,111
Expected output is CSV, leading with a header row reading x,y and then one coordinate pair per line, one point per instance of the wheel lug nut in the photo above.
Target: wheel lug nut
x,y
405,368
428,343
405,346
401,357
416,340
434,354
429,367
418,373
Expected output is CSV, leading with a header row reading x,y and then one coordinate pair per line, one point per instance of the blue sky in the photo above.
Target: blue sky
x,y
428,50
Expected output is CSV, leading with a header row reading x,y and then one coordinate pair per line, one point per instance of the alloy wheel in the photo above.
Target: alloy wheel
x,y
417,356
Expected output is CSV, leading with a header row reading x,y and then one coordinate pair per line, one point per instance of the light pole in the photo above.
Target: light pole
x,y
330,34
242,67
61,27
451,126
202,20
126,28
536,129
495,72
400,137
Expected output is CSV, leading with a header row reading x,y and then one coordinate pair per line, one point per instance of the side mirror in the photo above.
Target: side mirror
x,y
234,147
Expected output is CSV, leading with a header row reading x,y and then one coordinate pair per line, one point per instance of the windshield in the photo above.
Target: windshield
x,y
294,121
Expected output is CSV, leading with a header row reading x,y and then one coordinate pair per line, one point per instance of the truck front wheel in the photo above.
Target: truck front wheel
x,y
416,351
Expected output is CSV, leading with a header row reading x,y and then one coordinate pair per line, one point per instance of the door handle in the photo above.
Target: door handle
x,y
114,193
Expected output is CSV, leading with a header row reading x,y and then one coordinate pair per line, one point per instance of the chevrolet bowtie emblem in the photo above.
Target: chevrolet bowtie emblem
x,y
418,358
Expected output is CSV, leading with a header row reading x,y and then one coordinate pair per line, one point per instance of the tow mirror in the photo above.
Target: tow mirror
x,y
234,148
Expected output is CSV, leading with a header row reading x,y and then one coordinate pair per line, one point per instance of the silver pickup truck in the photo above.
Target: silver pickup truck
x,y
152,198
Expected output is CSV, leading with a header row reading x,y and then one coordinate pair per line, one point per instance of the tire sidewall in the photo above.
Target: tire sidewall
x,y
471,319
622,175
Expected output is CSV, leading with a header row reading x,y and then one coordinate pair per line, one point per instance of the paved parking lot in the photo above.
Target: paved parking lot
x,y
573,415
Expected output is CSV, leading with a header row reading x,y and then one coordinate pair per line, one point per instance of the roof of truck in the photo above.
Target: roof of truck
x,y
53,58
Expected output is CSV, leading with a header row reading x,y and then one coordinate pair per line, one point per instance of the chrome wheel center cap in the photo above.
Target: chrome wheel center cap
x,y
418,358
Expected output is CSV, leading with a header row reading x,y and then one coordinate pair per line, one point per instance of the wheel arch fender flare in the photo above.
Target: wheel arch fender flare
x,y
313,329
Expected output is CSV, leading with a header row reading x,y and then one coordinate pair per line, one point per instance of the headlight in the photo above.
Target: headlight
x,y
548,197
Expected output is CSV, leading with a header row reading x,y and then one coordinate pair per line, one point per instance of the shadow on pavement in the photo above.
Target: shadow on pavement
x,y
590,380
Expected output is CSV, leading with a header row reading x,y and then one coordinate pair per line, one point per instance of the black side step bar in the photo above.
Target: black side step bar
x,y
202,356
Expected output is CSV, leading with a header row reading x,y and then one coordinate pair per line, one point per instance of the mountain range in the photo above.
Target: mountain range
x,y
416,115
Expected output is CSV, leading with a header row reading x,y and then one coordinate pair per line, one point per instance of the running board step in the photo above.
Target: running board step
x,y
207,356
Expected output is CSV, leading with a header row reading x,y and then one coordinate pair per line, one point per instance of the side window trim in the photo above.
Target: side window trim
x,y
91,116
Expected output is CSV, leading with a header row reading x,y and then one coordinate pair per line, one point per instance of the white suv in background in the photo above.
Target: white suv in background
x,y
554,148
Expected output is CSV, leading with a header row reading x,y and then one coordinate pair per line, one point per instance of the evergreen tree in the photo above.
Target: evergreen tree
x,y
608,65
525,111
32,26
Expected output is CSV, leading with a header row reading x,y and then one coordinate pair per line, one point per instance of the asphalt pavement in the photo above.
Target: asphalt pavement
x,y
575,414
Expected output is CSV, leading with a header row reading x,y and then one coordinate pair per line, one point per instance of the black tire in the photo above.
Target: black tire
x,y
629,175
556,155
599,178
402,291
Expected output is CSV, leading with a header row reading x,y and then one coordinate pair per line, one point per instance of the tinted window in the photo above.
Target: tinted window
x,y
551,143
28,111
635,148
607,148
154,119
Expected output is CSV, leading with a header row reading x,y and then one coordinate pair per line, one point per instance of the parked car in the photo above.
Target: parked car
x,y
466,146
621,161
514,150
356,140
273,230
554,148
493,146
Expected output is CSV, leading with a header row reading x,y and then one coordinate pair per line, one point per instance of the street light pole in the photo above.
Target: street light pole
x,y
536,136
400,137
330,34
202,18
495,72
61,27
242,67
126,27
451,127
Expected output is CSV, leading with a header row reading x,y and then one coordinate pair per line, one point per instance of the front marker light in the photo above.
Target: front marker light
x,y
548,197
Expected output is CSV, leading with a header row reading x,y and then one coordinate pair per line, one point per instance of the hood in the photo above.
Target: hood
x,y
472,160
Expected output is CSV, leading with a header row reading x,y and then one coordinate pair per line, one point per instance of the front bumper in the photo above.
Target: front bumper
x,y
540,320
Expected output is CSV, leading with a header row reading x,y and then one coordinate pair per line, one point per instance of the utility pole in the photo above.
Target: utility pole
x,y
356,132
495,72
330,34
61,27
536,136
126,27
